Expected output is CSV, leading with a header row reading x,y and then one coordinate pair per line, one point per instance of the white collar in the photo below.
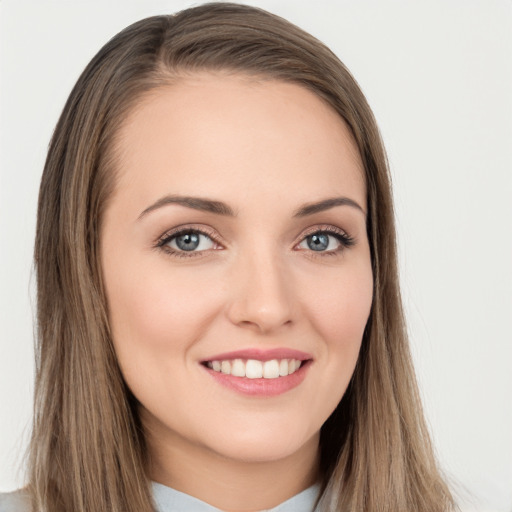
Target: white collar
x,y
170,500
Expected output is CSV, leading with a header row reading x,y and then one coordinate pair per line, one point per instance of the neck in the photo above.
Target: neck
x,y
228,484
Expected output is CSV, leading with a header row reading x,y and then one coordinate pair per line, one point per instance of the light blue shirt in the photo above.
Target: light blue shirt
x,y
170,500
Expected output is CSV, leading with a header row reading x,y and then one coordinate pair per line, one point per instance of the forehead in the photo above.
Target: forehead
x,y
237,136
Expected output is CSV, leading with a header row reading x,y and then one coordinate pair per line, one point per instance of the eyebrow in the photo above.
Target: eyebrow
x,y
327,204
220,208
196,203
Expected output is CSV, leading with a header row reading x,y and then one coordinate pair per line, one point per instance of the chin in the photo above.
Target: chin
x,y
263,444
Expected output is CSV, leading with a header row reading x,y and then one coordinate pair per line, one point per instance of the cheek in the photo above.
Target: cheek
x,y
340,315
338,312
341,311
153,314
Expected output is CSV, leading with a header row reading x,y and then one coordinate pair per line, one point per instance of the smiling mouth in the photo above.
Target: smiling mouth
x,y
255,369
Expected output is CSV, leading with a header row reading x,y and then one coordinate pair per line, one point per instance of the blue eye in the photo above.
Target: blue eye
x,y
193,242
318,241
189,241
325,241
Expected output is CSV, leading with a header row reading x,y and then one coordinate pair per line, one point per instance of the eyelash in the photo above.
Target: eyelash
x,y
341,236
169,236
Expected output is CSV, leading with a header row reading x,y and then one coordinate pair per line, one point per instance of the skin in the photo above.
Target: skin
x,y
265,149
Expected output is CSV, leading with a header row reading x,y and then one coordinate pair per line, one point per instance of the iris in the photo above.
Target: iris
x,y
318,242
188,241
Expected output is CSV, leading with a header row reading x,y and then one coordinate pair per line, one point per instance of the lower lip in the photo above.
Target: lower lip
x,y
262,387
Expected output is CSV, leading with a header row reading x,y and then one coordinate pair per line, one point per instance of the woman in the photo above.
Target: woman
x,y
219,316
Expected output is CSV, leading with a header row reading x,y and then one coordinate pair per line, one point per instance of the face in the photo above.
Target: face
x,y
236,264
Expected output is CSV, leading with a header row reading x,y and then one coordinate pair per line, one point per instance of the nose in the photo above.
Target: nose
x,y
262,297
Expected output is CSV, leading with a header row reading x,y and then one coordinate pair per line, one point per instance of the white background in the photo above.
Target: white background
x,y
438,75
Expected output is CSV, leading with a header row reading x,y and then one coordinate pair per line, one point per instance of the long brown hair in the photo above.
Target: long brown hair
x,y
87,451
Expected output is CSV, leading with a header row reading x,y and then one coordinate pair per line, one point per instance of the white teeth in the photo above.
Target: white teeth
x,y
225,367
238,368
271,369
254,369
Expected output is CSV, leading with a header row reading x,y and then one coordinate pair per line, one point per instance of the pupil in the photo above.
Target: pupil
x,y
188,242
318,242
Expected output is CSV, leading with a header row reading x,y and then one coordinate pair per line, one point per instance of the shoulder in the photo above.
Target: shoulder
x,y
17,501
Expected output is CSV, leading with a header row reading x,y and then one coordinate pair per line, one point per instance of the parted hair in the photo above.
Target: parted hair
x,y
88,452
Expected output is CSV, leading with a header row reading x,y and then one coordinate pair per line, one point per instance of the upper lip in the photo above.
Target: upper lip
x,y
261,354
